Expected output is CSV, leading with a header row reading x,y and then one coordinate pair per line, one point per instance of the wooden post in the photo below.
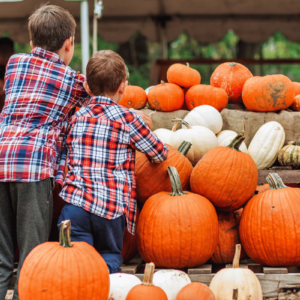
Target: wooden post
x,y
95,29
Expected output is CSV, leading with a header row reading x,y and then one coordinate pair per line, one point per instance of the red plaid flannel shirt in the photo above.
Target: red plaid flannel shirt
x,y
101,144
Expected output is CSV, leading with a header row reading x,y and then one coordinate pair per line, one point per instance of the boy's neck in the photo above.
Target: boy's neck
x,y
115,98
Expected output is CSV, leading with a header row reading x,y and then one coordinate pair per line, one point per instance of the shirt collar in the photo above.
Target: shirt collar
x,y
102,100
47,55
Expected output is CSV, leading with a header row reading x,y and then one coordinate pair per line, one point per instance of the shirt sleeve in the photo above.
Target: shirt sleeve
x,y
80,92
144,141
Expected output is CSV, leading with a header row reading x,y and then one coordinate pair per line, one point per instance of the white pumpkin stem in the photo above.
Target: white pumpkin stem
x,y
298,143
65,234
175,182
187,64
148,275
183,122
162,82
237,255
184,148
275,182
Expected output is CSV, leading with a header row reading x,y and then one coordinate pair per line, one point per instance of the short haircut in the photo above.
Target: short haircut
x,y
2,72
105,72
49,27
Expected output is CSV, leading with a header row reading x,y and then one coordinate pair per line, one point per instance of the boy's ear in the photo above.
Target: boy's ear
x,y
31,45
87,88
122,87
68,43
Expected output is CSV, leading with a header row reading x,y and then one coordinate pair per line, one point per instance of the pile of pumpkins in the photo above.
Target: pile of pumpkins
x,y
230,83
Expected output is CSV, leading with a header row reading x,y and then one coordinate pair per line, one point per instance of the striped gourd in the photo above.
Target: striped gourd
x,y
290,155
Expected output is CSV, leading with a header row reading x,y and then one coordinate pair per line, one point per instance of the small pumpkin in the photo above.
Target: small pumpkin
x,y
207,116
147,290
230,176
191,236
171,281
231,77
262,188
297,88
266,144
183,76
194,291
52,268
206,94
166,97
153,178
134,97
201,138
296,104
225,137
270,225
268,93
235,282
290,155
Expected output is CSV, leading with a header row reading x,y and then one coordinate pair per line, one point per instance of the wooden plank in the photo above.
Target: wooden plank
x,y
203,278
287,176
131,267
242,266
11,284
204,269
268,270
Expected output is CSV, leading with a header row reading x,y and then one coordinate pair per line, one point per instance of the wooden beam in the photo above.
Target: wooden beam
x,y
287,176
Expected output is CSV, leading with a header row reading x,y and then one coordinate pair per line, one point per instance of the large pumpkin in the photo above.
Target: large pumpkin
x,y
270,225
177,230
166,97
226,176
183,76
64,271
297,88
268,93
228,237
153,178
134,97
290,155
194,291
231,77
205,94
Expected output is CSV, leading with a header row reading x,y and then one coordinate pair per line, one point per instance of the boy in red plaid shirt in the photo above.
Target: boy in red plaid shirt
x,y
99,188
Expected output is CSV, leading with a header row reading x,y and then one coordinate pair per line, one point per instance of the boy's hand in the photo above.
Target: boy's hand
x,y
146,118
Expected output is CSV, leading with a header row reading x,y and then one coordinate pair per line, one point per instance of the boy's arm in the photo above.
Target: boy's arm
x,y
80,92
143,140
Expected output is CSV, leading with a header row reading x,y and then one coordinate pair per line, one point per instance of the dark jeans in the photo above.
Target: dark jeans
x,y
105,235
25,217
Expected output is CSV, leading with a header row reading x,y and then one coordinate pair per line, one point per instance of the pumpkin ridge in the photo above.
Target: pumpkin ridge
x,y
76,273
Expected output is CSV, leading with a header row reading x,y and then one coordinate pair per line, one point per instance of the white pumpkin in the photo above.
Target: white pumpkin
x,y
202,139
121,284
243,280
148,89
171,281
225,137
165,134
266,144
207,116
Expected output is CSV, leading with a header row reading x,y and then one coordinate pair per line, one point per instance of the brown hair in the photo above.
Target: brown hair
x,y
49,26
105,72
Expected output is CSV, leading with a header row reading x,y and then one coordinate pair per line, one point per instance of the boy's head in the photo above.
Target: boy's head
x,y
6,50
106,75
51,27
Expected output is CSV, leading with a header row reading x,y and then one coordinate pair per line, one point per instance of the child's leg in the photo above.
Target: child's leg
x,y
108,240
7,238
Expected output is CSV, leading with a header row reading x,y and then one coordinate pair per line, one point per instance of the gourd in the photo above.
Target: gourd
x,y
236,283
268,93
165,134
121,284
296,104
183,76
297,88
228,237
153,178
194,291
171,281
134,97
266,144
191,236
64,271
202,139
207,116
205,94
147,290
231,77
270,225
230,176
166,97
225,137
290,155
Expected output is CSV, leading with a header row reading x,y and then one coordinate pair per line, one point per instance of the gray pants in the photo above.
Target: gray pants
x,y
25,217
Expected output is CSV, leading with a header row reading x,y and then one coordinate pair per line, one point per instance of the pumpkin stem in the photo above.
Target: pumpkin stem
x,y
183,122
237,141
298,143
175,182
275,182
162,82
184,147
65,234
232,64
236,259
148,276
176,122
187,64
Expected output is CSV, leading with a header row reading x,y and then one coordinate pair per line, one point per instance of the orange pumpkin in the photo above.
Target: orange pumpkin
x,y
134,97
147,290
64,271
226,176
270,225
268,93
129,250
228,237
194,291
166,97
153,178
177,230
183,76
231,77
296,104
297,88
206,94
262,188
